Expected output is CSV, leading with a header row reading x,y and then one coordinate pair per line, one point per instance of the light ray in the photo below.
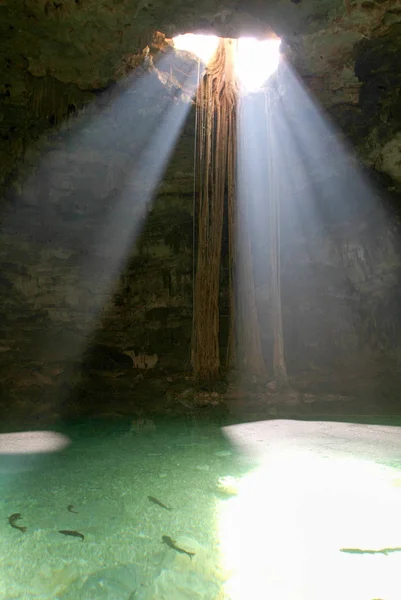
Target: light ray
x,y
96,230
126,221
289,152
327,257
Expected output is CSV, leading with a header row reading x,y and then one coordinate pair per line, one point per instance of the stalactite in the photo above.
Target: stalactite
x,y
54,100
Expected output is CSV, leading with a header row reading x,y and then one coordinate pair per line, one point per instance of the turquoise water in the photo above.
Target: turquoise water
x,y
247,525
107,475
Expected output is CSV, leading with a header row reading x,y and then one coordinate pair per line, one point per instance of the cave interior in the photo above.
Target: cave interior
x,y
96,321
98,262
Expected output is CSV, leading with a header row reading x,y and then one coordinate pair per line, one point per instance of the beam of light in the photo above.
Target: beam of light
x,y
203,46
335,234
125,222
316,490
282,535
91,217
255,61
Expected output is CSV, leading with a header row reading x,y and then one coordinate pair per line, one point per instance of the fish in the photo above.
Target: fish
x,y
70,509
156,501
72,533
385,551
16,517
171,544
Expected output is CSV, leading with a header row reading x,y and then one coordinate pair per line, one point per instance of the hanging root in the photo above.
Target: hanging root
x,y
216,101
217,105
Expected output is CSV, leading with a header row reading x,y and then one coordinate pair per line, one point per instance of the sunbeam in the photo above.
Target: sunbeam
x,y
97,255
125,223
296,180
307,179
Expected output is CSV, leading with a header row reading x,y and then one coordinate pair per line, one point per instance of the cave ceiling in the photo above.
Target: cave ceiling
x,y
57,56
84,41
82,46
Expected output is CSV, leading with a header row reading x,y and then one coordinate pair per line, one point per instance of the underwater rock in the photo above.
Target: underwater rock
x,y
228,485
113,583
142,426
50,582
185,579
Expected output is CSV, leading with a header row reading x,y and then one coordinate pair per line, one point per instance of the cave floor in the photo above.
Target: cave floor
x,y
283,509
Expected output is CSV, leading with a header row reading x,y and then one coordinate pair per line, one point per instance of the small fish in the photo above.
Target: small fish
x,y
385,551
156,501
72,533
16,517
171,544
70,509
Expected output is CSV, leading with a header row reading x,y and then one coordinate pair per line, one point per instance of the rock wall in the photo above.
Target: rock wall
x,y
66,187
92,268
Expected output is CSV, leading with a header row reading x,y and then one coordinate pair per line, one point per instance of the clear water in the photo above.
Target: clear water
x,y
274,530
107,476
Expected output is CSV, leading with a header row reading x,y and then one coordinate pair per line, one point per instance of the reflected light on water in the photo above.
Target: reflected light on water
x,y
284,535
32,442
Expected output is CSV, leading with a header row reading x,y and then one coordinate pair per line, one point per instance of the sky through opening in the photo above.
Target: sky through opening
x,y
255,60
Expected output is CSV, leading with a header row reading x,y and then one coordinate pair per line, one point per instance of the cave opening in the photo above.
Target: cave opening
x,y
254,60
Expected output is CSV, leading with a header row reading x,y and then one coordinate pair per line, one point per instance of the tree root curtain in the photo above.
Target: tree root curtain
x,y
215,100
217,169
